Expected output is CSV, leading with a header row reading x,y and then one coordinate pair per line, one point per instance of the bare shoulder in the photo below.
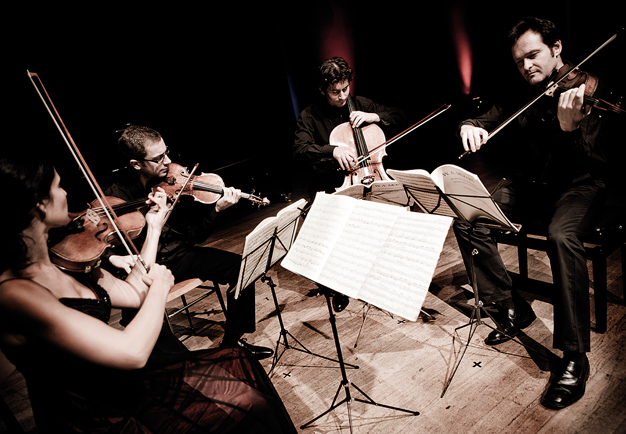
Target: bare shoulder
x,y
20,295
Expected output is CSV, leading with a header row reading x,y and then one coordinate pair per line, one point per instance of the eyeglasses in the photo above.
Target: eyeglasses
x,y
160,158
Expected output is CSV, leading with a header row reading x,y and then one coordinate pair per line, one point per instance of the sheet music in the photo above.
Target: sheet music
x,y
356,191
426,194
406,264
391,192
287,225
257,249
324,223
468,194
381,254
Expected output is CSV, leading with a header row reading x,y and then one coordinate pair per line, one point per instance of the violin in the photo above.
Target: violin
x,y
363,140
576,78
564,82
99,224
206,188
91,232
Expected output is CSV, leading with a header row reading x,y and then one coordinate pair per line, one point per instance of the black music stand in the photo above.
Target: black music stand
x,y
259,271
476,319
345,383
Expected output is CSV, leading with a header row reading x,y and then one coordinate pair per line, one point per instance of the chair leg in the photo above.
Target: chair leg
x,y
522,258
184,300
218,292
600,292
623,254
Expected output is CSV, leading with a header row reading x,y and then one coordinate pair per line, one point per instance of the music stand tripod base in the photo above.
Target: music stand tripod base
x,y
345,383
475,318
284,332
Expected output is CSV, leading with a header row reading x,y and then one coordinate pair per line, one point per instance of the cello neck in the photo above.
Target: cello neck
x,y
359,139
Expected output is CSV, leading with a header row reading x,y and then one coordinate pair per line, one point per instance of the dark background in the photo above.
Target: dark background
x,y
225,84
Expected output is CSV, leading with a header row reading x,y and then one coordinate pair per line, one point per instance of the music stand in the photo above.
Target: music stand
x,y
260,256
334,230
345,383
493,223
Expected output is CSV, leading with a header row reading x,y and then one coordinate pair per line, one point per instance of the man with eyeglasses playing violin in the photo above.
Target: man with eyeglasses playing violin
x,y
556,178
189,223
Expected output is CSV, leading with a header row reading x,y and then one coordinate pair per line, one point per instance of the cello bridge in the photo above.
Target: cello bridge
x,y
368,180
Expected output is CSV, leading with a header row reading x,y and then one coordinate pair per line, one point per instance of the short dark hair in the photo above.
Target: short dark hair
x,y
335,70
548,31
133,140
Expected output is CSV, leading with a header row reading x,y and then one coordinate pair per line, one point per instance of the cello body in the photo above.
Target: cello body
x,y
363,140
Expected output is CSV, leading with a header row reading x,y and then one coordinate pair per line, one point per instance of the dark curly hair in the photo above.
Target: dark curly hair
x,y
27,181
133,141
548,31
333,71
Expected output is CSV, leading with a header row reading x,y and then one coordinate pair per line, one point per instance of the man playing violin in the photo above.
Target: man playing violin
x,y
189,223
326,161
556,176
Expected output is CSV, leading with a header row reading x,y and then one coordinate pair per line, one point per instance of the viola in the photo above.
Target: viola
x,y
206,188
91,232
363,140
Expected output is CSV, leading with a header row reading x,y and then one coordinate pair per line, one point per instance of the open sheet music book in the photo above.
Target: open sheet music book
x,y
462,188
384,255
258,247
391,192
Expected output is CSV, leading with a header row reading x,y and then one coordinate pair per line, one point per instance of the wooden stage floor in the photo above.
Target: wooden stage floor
x,y
407,364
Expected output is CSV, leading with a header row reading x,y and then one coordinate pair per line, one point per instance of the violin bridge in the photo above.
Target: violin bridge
x,y
92,216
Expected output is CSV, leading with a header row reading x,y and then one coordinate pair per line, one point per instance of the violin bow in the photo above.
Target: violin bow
x,y
82,164
552,86
382,146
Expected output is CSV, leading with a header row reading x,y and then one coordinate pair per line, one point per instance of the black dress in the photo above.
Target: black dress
x,y
222,390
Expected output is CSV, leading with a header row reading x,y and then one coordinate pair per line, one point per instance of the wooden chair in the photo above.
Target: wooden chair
x,y
607,236
182,288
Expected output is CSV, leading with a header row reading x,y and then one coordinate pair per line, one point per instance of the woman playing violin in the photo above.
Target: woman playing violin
x,y
85,376
557,169
189,224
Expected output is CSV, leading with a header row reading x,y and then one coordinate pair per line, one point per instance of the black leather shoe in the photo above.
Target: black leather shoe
x,y
340,302
507,326
568,386
259,352
523,316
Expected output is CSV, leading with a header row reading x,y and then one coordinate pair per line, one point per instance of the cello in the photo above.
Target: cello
x,y
363,140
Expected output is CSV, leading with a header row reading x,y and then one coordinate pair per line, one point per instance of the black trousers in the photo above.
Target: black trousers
x,y
568,214
207,263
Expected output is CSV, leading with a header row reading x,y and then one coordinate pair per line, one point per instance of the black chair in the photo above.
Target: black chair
x,y
606,236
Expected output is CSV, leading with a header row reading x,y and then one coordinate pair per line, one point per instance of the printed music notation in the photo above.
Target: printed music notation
x,y
381,254
463,189
268,243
